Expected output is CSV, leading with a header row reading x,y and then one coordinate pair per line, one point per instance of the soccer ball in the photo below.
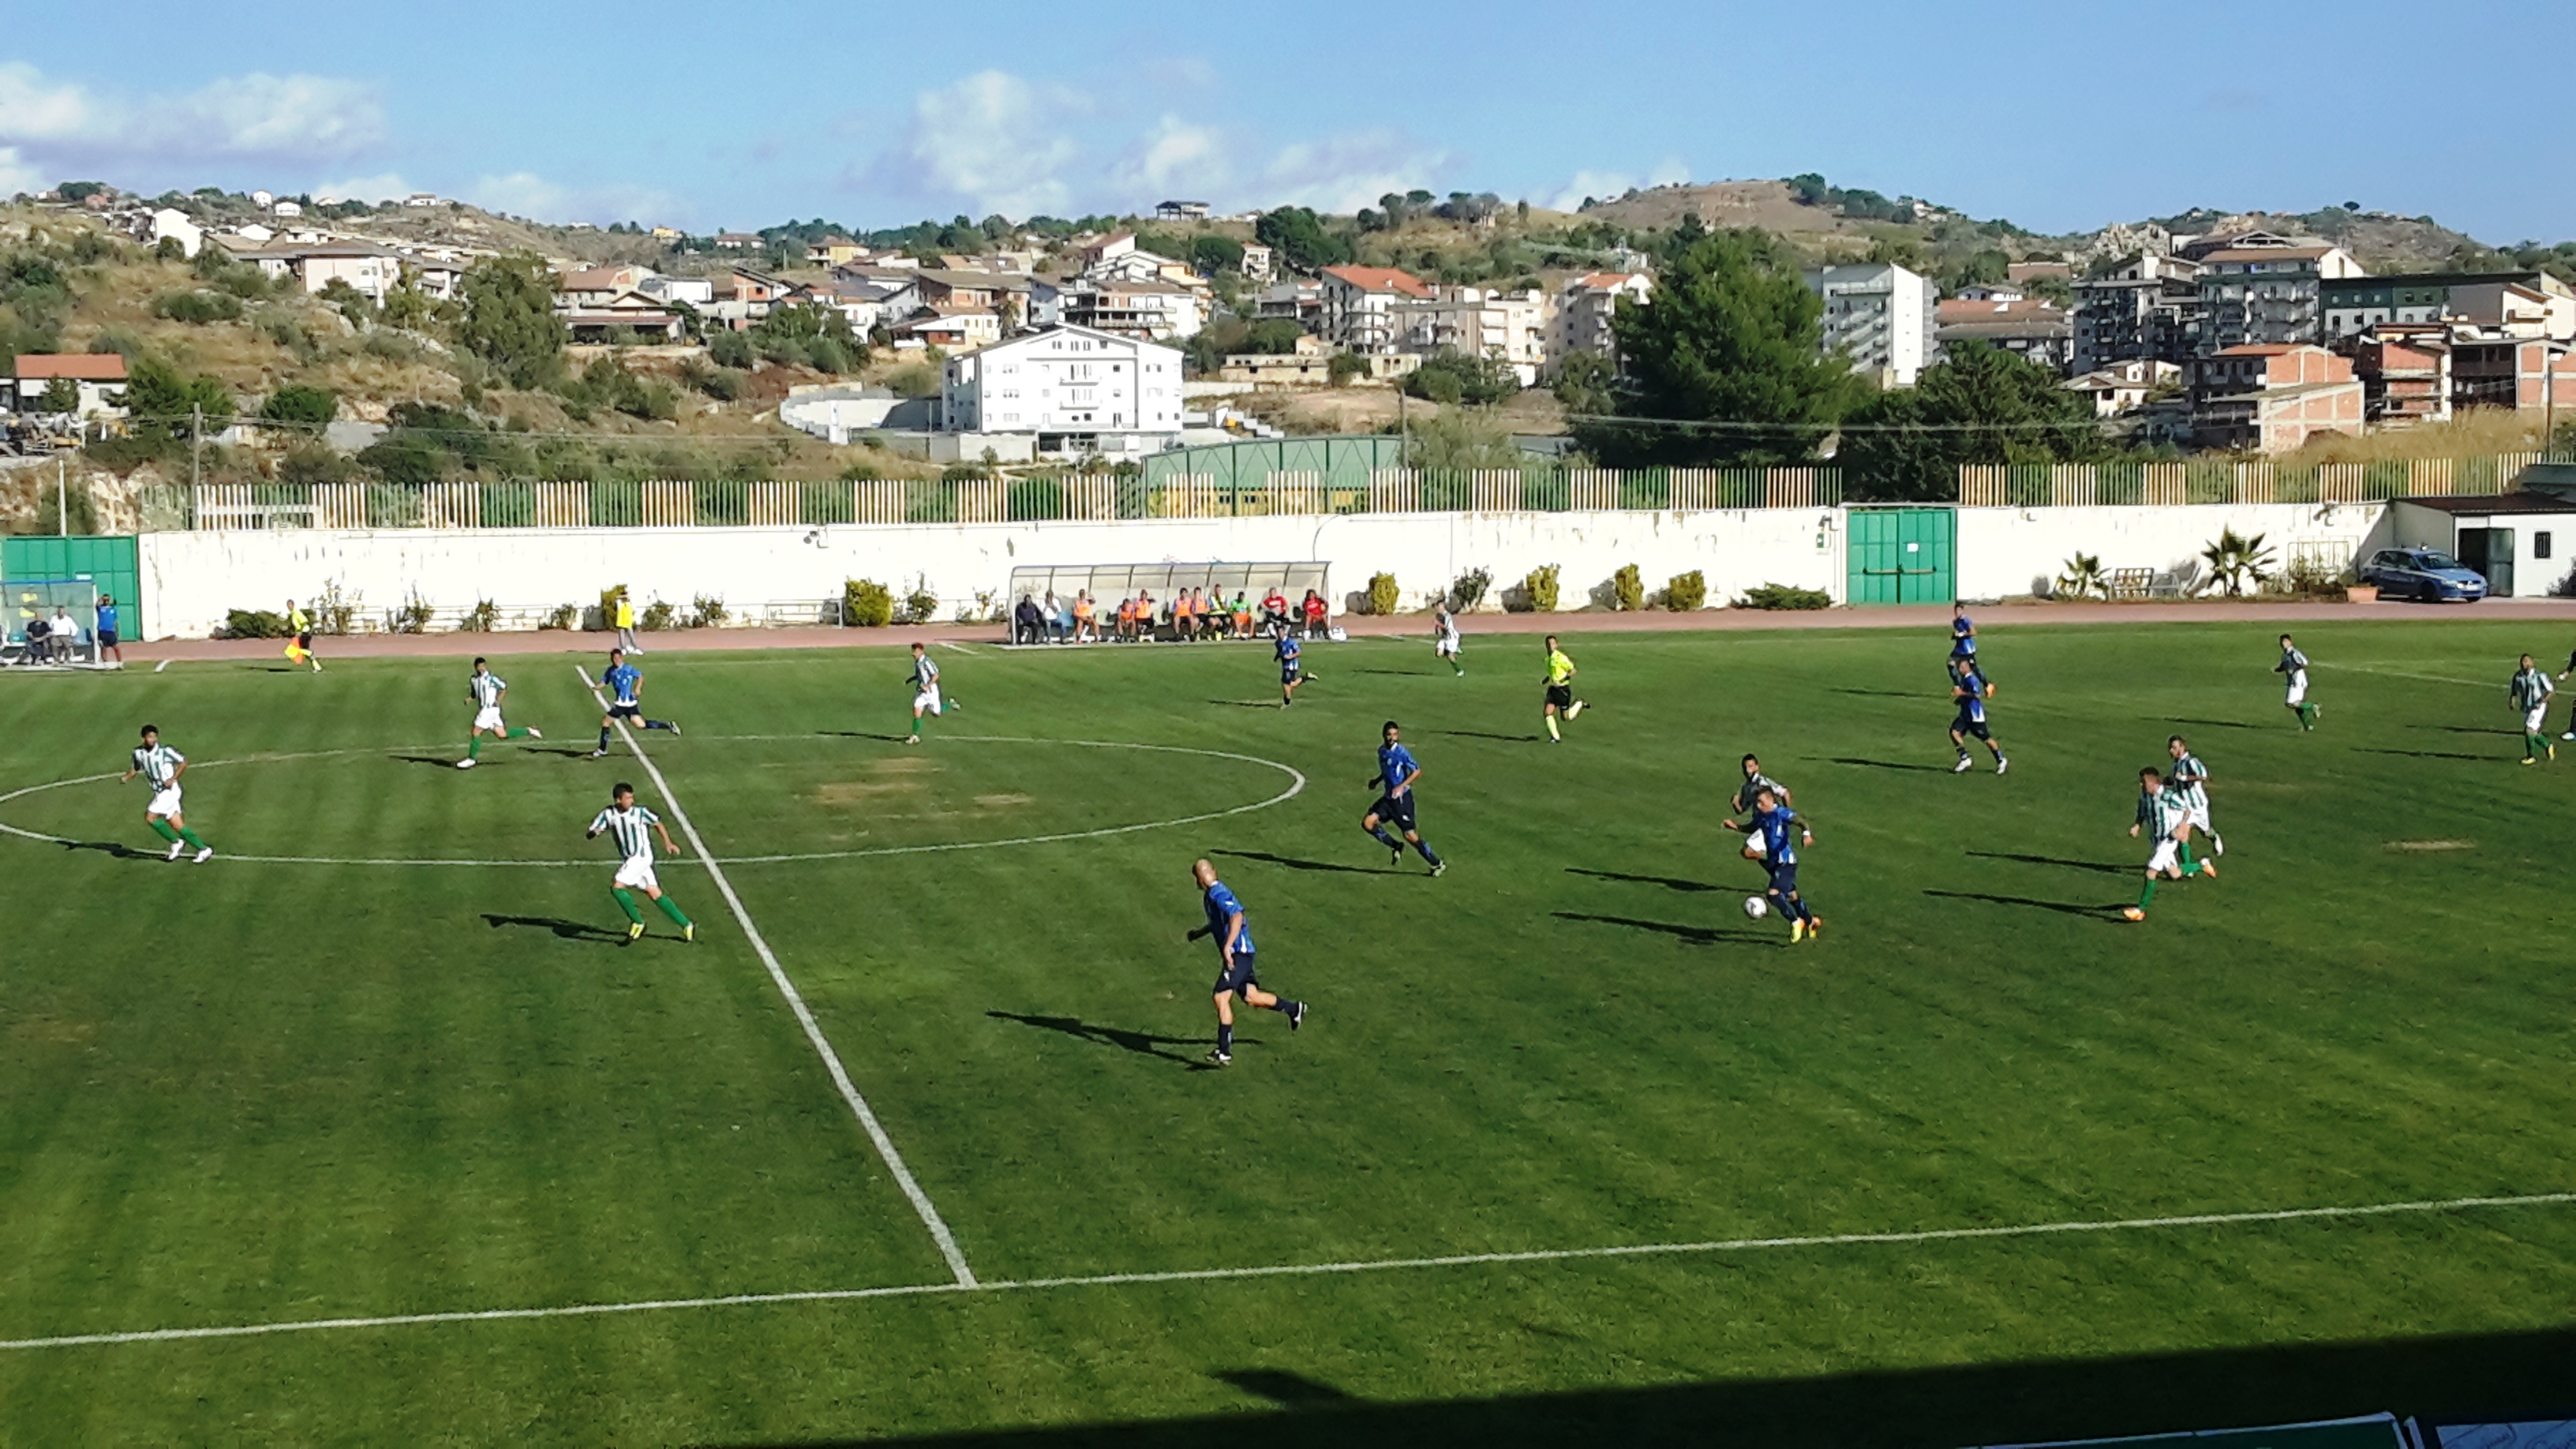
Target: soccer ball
x,y
1756,908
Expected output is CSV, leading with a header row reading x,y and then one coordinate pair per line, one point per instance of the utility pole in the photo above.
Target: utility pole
x,y
62,499
196,443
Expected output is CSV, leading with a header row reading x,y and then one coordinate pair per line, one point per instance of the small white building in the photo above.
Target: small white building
x,y
1882,316
172,222
696,291
1585,306
1076,389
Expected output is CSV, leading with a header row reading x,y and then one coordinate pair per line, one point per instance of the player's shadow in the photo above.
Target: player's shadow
x,y
1488,735
1889,693
1249,703
2221,724
1293,863
2068,908
2053,860
1696,935
2466,730
116,848
1142,1043
1285,1389
2427,754
1667,882
1888,764
858,735
1406,673
444,762
563,929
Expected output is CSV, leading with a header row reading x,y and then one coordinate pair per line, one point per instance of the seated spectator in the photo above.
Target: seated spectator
x,y
1274,609
1146,618
1314,615
63,636
1242,615
1029,627
1086,624
1181,617
36,650
1127,619
1051,618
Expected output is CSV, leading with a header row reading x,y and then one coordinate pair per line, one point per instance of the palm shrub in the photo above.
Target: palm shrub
x,y
2084,578
1538,590
2233,560
1382,594
1686,592
1628,589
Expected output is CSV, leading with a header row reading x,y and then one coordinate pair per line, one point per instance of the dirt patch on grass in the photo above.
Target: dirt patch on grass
x,y
2431,845
1005,801
864,792
36,1031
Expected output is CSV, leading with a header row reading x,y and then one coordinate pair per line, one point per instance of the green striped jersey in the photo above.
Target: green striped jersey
x,y
925,674
2185,780
2530,688
632,827
158,765
486,689
2162,811
2292,661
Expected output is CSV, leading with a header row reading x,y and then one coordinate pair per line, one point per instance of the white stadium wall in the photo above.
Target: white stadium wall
x,y
192,579
2005,552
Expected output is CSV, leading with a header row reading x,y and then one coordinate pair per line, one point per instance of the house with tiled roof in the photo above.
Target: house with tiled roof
x,y
1360,304
98,377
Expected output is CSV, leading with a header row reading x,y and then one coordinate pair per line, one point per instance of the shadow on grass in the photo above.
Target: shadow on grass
x,y
1400,673
116,848
1667,882
1887,693
1887,764
1250,703
858,735
1142,1043
2222,724
446,762
1293,863
563,929
1488,735
2053,860
2468,730
2498,1377
2068,908
1696,935
2429,754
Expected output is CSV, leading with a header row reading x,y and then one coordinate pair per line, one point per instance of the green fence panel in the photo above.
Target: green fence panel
x,y
509,505
616,504
926,501
112,564
830,502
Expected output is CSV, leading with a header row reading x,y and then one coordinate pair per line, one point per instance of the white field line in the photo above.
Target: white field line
x,y
1300,1270
858,1105
164,664
960,648
2403,674
1296,785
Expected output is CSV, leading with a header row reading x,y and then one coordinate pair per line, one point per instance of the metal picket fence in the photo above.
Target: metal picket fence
x,y
2223,480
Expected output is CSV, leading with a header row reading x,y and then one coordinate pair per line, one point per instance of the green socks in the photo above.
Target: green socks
x,y
626,903
2147,897
671,908
190,836
474,748
519,734
2307,716
162,828
2188,864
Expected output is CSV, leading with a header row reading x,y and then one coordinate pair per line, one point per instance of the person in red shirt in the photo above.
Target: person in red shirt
x,y
1314,615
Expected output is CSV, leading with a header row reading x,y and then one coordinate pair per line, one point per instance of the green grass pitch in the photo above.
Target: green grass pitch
x,y
270,1092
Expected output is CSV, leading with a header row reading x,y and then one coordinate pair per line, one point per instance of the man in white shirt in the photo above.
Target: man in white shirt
x,y
62,636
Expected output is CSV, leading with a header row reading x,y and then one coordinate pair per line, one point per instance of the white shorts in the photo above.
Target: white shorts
x,y
636,874
165,802
2298,687
1448,645
928,699
488,717
1753,845
2167,856
2535,717
2200,818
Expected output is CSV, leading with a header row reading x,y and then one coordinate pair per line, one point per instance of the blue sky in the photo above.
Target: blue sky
x,y
2060,116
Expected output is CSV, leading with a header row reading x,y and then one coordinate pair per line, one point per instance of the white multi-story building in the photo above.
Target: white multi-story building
x,y
1077,389
1882,316
1359,312
1481,322
1584,307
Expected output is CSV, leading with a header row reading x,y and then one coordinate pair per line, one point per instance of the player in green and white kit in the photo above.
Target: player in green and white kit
x,y
2295,665
2167,821
161,766
486,690
2530,693
633,828
925,691
1445,642
2191,777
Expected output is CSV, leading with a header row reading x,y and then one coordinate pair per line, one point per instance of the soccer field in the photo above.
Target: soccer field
x,y
387,1056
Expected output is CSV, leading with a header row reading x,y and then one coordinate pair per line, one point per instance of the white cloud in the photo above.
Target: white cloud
x,y
524,193
1176,156
1603,185
291,118
994,139
383,186
16,175
1349,171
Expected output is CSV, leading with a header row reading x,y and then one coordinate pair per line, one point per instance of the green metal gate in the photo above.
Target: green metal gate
x,y
1901,555
110,563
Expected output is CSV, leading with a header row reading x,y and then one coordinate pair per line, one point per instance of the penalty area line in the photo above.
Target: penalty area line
x,y
858,1105
1308,1270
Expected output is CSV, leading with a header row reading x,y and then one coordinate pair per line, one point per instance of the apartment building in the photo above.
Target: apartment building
x,y
2530,303
1359,312
1481,322
2146,307
2273,397
2268,296
2037,331
1585,306
1077,390
1882,316
2405,372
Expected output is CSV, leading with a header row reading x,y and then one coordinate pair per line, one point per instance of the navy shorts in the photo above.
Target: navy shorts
x,y
1784,879
1397,809
1287,674
1561,695
1966,726
107,638
1237,979
626,711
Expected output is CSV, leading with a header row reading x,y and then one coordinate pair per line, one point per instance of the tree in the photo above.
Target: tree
x,y
728,348
510,318
1211,252
1298,236
1451,376
296,405
62,395
1456,440
1344,367
1586,384
1982,406
164,403
1732,340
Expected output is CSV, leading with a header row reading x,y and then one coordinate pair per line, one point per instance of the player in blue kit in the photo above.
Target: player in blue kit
x,y
624,685
1291,674
1772,822
1396,772
1972,691
1234,975
1963,638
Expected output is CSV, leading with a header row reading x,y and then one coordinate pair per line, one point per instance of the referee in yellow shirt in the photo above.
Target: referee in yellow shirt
x,y
1560,690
